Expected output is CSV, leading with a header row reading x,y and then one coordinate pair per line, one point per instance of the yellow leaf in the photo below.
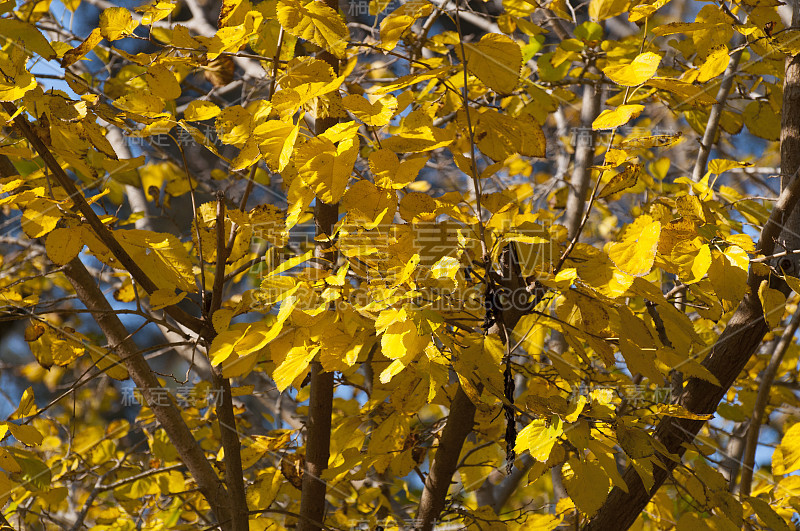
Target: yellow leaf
x,y
716,62
27,405
767,514
394,368
762,120
400,20
161,256
109,363
611,119
140,102
728,280
116,22
742,240
446,267
232,38
365,199
199,110
793,282
496,60
720,166
640,360
40,217
161,298
276,140
377,114
691,94
500,135
587,484
24,433
417,134
77,53
416,206
15,81
413,79
389,172
158,10
327,168
787,456
603,9
64,244
401,341
701,264
621,181
234,125
295,364
26,36
162,82
773,302
643,11
316,22
222,346
642,68
636,253
539,438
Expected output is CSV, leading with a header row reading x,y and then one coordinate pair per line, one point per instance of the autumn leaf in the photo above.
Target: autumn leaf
x,y
496,60
116,22
635,254
641,69
316,22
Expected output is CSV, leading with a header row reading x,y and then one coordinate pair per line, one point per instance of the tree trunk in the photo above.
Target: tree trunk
x,y
738,342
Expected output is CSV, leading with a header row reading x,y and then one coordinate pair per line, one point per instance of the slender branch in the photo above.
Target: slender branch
x,y
222,257
762,399
102,232
716,110
584,153
168,415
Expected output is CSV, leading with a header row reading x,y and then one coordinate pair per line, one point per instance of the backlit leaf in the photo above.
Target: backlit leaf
x,y
642,68
611,119
773,302
635,254
400,20
377,113
116,22
715,63
496,60
64,244
787,456
539,437
587,484
316,22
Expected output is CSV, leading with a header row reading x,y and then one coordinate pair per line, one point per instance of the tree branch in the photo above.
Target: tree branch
x,y
762,399
320,406
584,154
102,232
716,110
738,342
168,415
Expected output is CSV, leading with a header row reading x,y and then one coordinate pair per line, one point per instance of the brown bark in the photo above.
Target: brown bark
x,y
320,407
728,356
789,240
459,425
168,415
